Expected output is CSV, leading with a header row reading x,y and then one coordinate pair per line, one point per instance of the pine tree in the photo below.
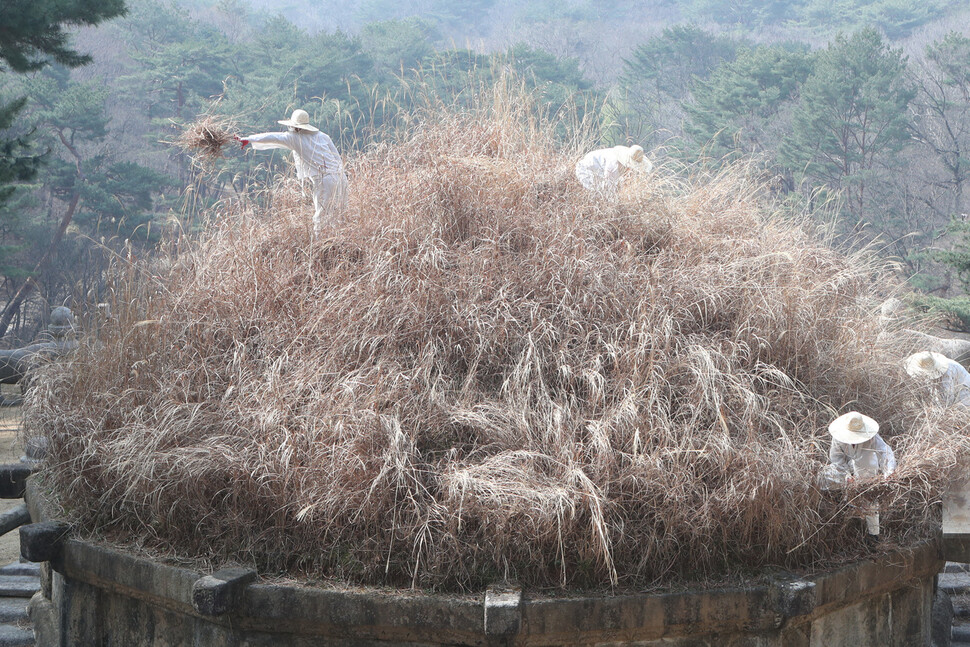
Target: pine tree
x,y
657,78
32,35
852,118
32,32
17,164
735,111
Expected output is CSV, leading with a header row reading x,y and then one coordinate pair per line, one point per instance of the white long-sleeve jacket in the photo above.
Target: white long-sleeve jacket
x,y
600,170
867,459
955,384
314,152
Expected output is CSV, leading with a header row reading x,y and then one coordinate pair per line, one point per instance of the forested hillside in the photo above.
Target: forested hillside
x,y
855,112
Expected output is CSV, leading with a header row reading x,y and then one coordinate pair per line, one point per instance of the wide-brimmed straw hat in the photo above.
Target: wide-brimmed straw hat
x,y
926,364
633,158
300,120
853,428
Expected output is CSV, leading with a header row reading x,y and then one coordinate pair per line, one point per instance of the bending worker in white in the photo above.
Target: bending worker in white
x,y
602,170
857,451
948,375
316,158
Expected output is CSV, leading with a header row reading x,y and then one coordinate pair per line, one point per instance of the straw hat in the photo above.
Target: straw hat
x,y
300,120
926,364
853,428
632,157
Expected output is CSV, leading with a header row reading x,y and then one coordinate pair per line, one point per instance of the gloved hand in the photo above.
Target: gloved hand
x,y
242,142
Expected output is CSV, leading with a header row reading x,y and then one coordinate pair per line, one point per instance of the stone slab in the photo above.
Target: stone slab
x,y
13,480
19,586
866,623
961,606
43,618
13,610
956,548
398,617
794,598
955,583
214,595
142,577
21,568
14,636
43,541
14,518
959,633
503,614
942,617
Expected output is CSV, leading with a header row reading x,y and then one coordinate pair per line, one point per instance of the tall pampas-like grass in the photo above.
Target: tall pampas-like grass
x,y
483,373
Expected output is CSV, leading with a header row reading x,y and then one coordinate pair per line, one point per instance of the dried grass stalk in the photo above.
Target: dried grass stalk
x,y
483,373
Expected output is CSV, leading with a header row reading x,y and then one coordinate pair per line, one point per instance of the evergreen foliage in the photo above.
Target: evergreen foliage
x,y
955,312
32,32
118,200
895,18
667,65
657,78
736,110
396,46
747,13
17,164
852,117
959,258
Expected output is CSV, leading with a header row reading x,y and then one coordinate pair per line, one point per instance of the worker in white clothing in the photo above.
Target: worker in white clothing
x,y
857,451
602,170
949,376
316,158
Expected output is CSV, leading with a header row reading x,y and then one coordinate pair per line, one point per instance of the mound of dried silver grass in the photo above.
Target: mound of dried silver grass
x,y
485,373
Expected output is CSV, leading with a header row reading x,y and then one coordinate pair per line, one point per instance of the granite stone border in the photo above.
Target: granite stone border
x,y
100,591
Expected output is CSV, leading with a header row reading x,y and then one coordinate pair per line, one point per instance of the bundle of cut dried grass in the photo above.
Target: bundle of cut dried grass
x,y
484,372
206,137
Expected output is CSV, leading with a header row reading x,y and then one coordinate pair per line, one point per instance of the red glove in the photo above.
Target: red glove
x,y
242,142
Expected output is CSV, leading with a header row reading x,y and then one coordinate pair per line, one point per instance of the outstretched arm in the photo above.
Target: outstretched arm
x,y
266,141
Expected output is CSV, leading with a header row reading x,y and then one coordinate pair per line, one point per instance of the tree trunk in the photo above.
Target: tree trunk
x,y
29,284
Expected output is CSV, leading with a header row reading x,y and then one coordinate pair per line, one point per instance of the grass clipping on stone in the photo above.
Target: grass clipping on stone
x,y
484,373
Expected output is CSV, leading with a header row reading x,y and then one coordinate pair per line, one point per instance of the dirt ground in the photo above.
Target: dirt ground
x,y
11,449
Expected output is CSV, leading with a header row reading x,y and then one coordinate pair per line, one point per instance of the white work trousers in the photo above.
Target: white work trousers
x,y
329,196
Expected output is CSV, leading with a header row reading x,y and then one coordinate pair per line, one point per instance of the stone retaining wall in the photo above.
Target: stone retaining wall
x,y
94,595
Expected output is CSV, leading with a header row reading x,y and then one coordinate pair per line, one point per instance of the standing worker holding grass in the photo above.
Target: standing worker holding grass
x,y
316,158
